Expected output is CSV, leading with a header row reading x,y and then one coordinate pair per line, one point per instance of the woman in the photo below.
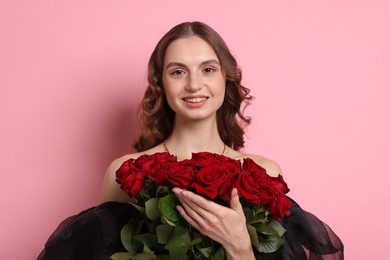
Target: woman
x,y
193,104
198,95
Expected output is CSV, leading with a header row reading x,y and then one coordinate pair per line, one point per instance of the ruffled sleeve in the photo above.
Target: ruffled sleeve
x,y
307,238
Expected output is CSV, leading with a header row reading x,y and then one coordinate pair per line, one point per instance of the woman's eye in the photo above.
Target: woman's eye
x,y
208,70
178,72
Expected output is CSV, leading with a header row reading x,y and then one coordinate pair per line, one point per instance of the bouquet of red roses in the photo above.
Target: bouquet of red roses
x,y
161,233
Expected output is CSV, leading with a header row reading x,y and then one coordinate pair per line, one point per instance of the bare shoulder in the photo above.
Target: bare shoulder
x,y
110,190
273,169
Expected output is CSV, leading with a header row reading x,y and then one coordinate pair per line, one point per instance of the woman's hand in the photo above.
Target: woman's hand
x,y
222,224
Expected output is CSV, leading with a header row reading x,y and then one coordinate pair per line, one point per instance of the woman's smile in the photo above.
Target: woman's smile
x,y
195,101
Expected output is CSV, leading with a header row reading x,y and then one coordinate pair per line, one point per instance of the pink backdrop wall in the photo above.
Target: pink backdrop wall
x,y
73,72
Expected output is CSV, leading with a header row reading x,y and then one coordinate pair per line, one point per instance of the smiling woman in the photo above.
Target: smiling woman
x,y
192,192
193,81
157,117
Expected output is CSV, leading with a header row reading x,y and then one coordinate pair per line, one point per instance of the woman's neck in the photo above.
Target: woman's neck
x,y
187,138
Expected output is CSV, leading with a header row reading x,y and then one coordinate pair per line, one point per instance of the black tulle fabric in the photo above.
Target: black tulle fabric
x,y
95,234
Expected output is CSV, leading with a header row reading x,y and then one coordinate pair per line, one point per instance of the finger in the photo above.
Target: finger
x,y
187,217
196,212
235,202
204,225
198,201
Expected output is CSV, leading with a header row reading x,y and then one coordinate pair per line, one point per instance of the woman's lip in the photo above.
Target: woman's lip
x,y
194,102
195,96
194,99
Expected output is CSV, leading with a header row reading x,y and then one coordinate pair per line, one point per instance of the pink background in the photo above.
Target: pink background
x,y
73,72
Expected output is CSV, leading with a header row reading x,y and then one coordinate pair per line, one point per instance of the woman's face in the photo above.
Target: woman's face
x,y
193,79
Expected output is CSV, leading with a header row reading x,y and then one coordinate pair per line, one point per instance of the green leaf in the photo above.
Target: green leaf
x,y
260,209
163,233
162,257
277,227
153,225
121,256
131,229
139,208
248,215
148,191
255,214
181,230
219,255
253,235
144,256
195,241
182,233
162,190
266,230
147,239
146,249
174,244
198,256
258,218
167,206
178,254
206,251
152,210
167,221
270,244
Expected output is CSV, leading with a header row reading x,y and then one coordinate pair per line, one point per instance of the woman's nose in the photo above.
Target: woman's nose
x,y
194,83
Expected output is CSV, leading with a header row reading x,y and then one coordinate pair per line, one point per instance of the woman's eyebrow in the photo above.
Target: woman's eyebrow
x,y
174,64
211,62
178,64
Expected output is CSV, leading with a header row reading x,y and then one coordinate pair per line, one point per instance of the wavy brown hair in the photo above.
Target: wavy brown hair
x,y
156,118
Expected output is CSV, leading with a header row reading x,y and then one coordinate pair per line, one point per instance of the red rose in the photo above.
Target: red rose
x,y
164,157
232,167
251,166
280,206
159,173
209,180
145,163
155,167
267,190
179,175
247,187
279,184
124,171
203,159
130,178
222,158
254,184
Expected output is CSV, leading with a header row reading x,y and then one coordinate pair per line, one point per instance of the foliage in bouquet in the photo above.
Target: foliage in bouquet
x,y
161,233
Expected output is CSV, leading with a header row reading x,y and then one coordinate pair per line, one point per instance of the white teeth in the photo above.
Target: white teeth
x,y
194,100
